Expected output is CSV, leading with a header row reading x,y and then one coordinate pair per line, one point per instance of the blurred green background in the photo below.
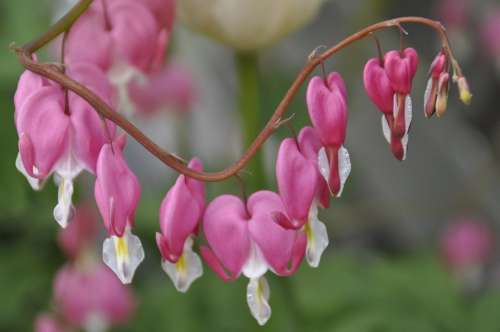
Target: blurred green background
x,y
382,271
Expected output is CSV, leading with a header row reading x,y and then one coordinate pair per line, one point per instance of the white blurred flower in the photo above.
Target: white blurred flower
x,y
247,24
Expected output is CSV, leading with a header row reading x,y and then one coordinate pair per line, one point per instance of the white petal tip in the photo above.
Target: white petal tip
x,y
257,298
344,168
36,184
187,269
317,239
123,255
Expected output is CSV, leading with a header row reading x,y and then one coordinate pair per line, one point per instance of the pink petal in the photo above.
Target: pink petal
x,y
310,145
117,190
225,228
134,30
275,242
401,69
296,177
327,106
45,126
89,40
377,85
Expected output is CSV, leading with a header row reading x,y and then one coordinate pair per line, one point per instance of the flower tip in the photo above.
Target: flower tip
x,y
464,91
123,255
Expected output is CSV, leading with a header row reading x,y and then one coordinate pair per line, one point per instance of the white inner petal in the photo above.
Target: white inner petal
x,y
35,183
256,264
427,93
64,211
258,299
186,270
344,167
386,129
408,112
317,237
324,165
123,255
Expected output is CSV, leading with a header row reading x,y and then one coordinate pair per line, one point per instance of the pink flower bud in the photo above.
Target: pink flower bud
x,y
327,106
297,182
442,94
92,295
401,68
378,86
180,213
438,68
466,244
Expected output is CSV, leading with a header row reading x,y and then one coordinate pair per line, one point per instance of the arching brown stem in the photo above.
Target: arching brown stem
x,y
51,72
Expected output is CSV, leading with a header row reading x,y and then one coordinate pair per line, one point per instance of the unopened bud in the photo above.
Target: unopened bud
x,y
442,95
463,88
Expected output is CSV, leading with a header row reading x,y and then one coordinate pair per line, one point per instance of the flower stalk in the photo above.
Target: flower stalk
x,y
54,73
250,112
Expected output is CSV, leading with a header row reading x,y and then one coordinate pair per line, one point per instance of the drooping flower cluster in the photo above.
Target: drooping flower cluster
x,y
61,134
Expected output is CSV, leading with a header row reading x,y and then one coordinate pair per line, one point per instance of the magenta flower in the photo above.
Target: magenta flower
x,y
127,42
47,323
180,212
90,296
299,186
327,106
244,239
120,32
466,244
401,67
59,137
388,83
117,193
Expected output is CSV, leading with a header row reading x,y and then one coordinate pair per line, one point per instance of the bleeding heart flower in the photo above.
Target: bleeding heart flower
x,y
244,239
327,106
121,33
180,213
401,67
117,193
90,296
59,132
297,176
